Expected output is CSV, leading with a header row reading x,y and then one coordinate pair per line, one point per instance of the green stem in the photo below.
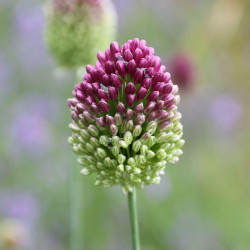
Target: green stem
x,y
134,219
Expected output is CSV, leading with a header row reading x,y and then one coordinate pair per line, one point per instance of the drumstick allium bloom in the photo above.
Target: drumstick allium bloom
x,y
125,122
77,29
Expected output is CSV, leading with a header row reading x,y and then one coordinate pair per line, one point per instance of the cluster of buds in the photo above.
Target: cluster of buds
x,y
125,123
77,29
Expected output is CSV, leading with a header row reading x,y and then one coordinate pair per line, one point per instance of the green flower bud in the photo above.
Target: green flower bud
x,y
85,171
128,168
104,140
74,128
93,130
121,158
131,162
161,154
115,151
85,134
150,154
137,130
151,127
101,153
136,145
129,125
120,167
123,144
107,161
71,140
128,137
94,142
144,149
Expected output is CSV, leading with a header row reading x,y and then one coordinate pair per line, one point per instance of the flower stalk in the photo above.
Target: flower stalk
x,y
132,206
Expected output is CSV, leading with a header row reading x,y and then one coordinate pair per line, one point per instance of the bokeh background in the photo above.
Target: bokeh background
x,y
203,202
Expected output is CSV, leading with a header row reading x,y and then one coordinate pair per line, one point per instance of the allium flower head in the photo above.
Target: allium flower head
x,y
125,123
77,29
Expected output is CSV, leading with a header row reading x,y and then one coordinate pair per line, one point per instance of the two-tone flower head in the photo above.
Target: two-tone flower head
x,y
125,122
77,29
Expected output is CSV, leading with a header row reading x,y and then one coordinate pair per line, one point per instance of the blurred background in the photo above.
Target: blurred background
x,y
203,202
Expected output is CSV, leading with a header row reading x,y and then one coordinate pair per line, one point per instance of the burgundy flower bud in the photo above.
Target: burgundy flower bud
x,y
138,75
89,68
127,55
166,77
145,51
146,83
157,63
153,96
158,77
106,80
88,89
158,86
150,71
135,44
98,65
81,107
95,87
131,67
102,94
143,63
72,102
125,46
162,115
143,44
121,68
151,117
88,78
114,48
113,94
74,116
108,54
121,108
140,119
116,81
80,95
130,99
130,88
149,107
113,129
175,90
100,73
139,108
159,104
167,89
163,69
101,121
151,51
104,106
138,56
89,100
165,125
129,114
109,67
88,117
141,93
94,108
110,120
168,101
150,61
101,57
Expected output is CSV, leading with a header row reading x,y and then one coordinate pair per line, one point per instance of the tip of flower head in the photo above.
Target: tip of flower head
x,y
128,104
